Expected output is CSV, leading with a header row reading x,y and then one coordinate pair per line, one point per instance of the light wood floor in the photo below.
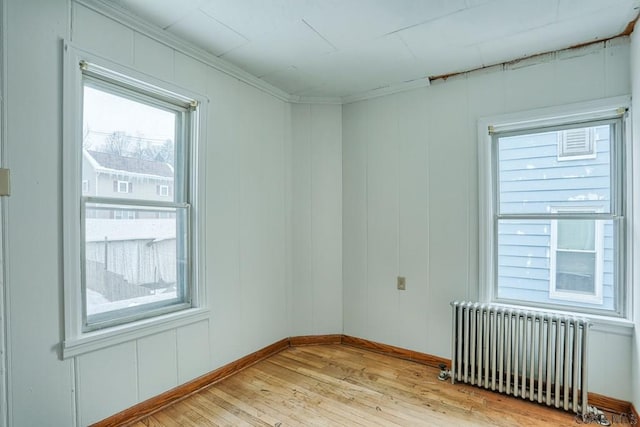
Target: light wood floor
x,y
338,385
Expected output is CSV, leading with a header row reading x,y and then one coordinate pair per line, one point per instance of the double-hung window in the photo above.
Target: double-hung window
x,y
130,256
553,208
577,258
120,186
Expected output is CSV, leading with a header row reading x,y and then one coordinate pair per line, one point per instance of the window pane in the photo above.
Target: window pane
x,y
533,179
524,264
576,271
128,147
576,234
133,262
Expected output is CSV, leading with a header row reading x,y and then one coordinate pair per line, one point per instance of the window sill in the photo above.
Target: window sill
x,y
599,323
97,340
611,325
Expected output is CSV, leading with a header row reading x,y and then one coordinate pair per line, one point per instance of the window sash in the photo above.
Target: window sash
x,y
184,274
616,209
184,126
615,173
137,91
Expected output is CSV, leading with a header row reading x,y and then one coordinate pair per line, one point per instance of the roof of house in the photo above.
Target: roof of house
x,y
131,164
155,229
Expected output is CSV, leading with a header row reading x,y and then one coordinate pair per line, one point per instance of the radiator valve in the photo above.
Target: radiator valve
x,y
593,415
444,374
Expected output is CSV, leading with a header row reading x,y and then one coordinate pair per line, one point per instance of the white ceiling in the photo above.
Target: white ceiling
x,y
341,48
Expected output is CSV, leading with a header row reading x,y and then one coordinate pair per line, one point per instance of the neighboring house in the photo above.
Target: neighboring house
x,y
556,260
112,175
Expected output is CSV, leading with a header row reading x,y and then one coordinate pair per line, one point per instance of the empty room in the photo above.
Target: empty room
x,y
319,212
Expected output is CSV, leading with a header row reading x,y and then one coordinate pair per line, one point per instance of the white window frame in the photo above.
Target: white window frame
x,y
163,190
122,187
124,214
534,119
554,293
79,341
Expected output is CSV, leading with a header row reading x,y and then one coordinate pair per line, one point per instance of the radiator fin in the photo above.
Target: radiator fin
x,y
537,356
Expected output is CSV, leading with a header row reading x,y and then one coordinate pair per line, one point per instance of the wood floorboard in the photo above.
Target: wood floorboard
x,y
246,386
382,373
406,397
209,410
254,405
348,391
330,401
307,399
338,385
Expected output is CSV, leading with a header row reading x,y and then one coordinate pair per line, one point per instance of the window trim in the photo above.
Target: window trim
x,y
126,187
534,119
76,341
163,190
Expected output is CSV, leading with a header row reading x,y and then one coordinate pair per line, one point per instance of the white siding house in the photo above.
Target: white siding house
x,y
113,175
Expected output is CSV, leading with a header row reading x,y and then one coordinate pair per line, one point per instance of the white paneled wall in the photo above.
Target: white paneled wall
x,y
40,385
247,224
316,293
635,107
312,212
410,198
159,373
106,382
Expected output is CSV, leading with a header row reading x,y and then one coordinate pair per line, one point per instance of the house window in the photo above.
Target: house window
x,y
120,273
123,186
85,186
162,190
576,264
554,211
122,278
124,214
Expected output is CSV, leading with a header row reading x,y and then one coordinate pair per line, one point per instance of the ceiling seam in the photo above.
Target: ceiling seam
x,y
118,14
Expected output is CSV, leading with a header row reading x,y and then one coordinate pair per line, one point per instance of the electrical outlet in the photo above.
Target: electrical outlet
x,y
402,283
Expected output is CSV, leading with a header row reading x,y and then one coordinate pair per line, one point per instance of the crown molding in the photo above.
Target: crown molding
x,y
295,99
117,13
387,90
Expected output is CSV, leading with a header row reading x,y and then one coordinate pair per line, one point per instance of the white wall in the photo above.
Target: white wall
x,y
40,385
410,198
248,253
635,111
316,220
406,197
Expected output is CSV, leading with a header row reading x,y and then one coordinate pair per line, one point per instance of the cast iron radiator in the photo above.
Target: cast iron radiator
x,y
533,355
